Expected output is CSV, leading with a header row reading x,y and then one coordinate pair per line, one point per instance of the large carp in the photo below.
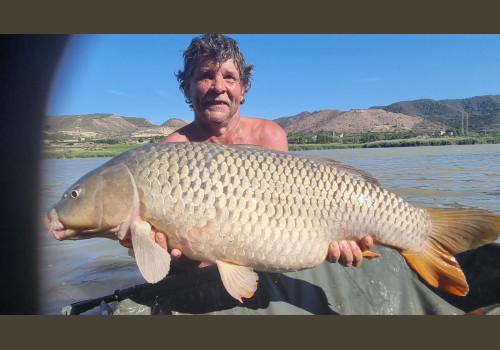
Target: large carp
x,y
249,208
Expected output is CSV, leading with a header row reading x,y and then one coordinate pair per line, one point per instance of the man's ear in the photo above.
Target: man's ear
x,y
242,96
187,94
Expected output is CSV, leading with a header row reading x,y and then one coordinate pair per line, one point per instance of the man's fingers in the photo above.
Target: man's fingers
x,y
175,253
366,243
346,257
349,252
333,252
127,243
161,239
357,256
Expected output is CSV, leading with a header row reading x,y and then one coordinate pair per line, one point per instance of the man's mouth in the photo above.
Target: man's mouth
x,y
216,103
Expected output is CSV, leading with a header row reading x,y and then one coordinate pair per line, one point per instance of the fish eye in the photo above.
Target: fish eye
x,y
75,192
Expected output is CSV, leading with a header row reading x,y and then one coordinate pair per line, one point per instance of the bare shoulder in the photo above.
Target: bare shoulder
x,y
267,133
268,124
175,137
180,135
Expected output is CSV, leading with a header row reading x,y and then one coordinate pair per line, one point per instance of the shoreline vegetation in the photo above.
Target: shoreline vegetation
x,y
57,149
413,142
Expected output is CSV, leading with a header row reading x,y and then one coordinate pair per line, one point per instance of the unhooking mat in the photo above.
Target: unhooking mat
x,y
382,286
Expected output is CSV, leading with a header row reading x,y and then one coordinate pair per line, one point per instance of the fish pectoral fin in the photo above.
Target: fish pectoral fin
x,y
153,261
239,281
368,254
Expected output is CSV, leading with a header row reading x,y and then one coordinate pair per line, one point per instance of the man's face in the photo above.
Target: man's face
x,y
215,90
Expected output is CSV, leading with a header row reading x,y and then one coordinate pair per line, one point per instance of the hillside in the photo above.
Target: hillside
x,y
174,123
106,125
354,121
480,114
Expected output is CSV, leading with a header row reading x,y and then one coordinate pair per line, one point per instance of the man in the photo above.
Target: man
x,y
214,81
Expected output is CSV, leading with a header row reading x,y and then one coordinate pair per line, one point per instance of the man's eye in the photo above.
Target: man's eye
x,y
230,79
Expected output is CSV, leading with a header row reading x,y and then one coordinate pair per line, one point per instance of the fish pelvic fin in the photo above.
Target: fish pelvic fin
x,y
239,281
153,261
368,254
453,231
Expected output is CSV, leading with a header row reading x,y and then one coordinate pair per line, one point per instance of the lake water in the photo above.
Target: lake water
x,y
440,177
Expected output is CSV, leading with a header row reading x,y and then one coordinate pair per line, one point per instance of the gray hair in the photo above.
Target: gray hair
x,y
220,47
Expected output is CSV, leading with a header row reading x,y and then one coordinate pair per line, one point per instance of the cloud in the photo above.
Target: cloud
x,y
117,93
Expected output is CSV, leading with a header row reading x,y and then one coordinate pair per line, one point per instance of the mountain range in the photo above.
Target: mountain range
x,y
479,114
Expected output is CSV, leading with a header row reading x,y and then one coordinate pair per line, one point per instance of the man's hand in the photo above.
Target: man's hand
x,y
348,252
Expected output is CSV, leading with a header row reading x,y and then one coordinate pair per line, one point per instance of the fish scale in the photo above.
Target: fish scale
x,y
246,207
204,167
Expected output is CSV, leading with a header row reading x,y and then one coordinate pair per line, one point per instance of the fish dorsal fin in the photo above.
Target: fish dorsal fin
x,y
153,261
239,281
349,169
249,146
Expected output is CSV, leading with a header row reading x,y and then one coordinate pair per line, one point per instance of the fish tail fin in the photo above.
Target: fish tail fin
x,y
453,231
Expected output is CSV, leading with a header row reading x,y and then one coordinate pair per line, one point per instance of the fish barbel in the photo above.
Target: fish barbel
x,y
249,208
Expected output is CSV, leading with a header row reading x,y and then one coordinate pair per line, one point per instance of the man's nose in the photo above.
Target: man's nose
x,y
219,85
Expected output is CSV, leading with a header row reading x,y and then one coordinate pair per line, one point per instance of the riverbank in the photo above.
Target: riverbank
x,y
62,150
412,142
78,150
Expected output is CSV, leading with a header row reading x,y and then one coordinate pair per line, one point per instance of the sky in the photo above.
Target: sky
x,y
133,75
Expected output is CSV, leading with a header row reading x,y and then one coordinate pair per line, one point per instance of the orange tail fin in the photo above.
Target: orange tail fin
x,y
453,231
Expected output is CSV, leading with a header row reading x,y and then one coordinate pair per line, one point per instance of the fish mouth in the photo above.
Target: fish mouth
x,y
62,233
54,226
58,234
